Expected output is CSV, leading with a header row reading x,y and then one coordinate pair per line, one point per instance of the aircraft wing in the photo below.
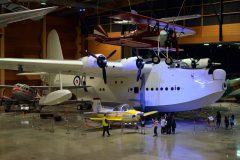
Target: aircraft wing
x,y
46,87
6,86
234,93
149,113
72,67
114,119
7,18
140,19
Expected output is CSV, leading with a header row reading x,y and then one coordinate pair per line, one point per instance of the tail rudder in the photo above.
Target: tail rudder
x,y
54,50
97,106
98,30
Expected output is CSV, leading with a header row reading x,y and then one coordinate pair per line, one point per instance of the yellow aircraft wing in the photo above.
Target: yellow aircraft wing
x,y
116,119
149,113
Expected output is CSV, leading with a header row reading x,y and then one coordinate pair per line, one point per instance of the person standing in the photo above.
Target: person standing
x,y
155,124
226,120
142,124
169,122
163,124
105,125
231,120
218,117
173,124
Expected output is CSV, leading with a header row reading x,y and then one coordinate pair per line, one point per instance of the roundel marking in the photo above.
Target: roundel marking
x,y
76,81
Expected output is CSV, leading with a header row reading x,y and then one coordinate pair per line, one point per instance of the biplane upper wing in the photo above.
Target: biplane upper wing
x,y
141,19
180,18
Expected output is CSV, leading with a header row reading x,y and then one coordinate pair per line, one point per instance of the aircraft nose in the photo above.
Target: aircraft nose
x,y
219,74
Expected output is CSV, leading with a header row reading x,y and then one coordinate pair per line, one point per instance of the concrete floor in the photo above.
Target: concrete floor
x,y
30,138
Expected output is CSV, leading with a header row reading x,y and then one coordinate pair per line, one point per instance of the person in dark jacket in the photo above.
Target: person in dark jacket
x,y
218,117
169,123
231,120
173,124
226,120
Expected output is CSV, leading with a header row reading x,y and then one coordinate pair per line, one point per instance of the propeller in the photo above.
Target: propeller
x,y
140,64
194,62
102,63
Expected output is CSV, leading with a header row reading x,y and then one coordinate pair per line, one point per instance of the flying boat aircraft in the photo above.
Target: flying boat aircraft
x,y
156,87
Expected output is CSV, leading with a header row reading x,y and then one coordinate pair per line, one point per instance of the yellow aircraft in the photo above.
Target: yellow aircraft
x,y
120,113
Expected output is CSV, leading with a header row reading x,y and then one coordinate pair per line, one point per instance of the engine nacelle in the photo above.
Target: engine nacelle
x,y
129,64
202,63
89,61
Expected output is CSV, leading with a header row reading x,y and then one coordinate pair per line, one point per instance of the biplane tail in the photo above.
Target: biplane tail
x,y
99,34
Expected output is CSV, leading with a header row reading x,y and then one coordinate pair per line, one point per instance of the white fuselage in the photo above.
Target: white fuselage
x,y
165,89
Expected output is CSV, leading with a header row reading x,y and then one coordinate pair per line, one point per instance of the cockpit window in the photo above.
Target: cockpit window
x,y
123,107
117,108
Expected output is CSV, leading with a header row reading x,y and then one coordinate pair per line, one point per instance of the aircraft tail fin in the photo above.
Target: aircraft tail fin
x,y
98,30
54,50
97,106
99,34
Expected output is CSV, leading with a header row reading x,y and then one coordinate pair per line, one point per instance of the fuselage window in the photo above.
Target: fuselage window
x,y
161,88
121,82
151,89
178,88
91,77
146,89
103,89
100,89
131,89
136,89
157,89
115,82
166,88
172,88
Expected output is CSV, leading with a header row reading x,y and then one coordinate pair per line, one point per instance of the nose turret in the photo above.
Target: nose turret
x,y
219,74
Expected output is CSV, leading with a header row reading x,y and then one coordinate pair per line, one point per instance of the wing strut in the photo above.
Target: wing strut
x,y
60,80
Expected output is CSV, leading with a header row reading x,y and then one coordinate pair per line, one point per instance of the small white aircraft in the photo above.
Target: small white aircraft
x,y
21,13
161,88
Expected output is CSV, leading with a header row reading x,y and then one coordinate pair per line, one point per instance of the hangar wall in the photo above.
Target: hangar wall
x,y
210,34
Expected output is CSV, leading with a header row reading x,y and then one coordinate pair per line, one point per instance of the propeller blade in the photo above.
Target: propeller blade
x,y
91,54
111,54
148,62
139,74
104,75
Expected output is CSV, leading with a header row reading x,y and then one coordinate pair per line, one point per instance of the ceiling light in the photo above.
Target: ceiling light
x,y
43,4
206,44
220,45
82,9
